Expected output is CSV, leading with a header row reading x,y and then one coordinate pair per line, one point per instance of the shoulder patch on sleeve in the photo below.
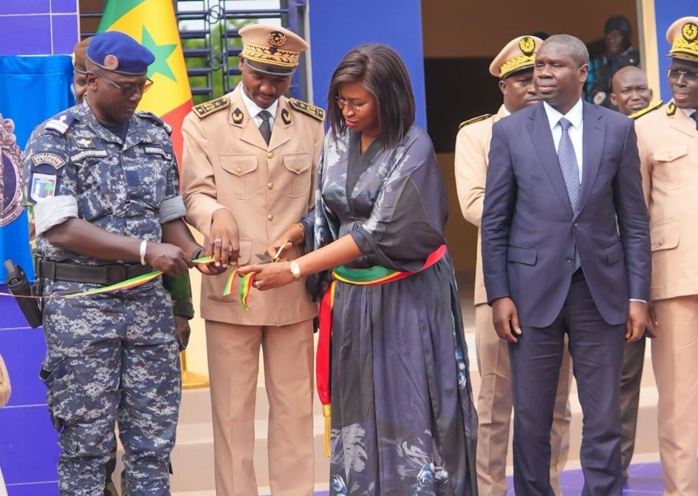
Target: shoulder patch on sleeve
x,y
48,158
61,123
306,108
207,108
473,120
43,186
646,110
154,118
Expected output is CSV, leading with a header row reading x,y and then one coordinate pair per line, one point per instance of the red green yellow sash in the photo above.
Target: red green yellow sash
x,y
372,276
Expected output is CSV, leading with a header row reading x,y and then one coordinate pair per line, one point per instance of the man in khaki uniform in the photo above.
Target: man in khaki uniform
x,y
668,143
514,67
249,173
631,94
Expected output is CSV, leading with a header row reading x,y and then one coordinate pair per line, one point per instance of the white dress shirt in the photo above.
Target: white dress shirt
x,y
576,130
253,109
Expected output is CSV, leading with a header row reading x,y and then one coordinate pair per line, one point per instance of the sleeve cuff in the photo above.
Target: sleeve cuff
x,y
638,300
171,209
54,211
183,308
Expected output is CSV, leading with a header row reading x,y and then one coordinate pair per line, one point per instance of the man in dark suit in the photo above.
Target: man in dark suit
x,y
564,255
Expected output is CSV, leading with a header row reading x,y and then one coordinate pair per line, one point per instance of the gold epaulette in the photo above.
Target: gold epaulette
x,y
474,119
207,108
306,108
646,110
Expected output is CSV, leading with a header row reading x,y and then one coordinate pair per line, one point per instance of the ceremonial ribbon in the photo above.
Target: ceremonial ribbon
x,y
372,276
127,284
245,286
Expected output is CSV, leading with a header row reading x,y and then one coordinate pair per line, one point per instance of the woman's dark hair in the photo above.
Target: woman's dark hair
x,y
379,69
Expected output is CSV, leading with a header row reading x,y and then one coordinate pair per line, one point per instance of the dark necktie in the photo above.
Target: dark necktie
x,y
265,126
570,172
694,116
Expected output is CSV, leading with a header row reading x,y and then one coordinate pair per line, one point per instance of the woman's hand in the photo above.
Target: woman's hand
x,y
290,238
269,276
273,251
223,243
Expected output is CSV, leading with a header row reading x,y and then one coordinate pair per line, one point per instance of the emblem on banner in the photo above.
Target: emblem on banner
x,y
11,168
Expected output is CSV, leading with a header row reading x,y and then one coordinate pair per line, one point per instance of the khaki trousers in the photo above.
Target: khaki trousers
x,y
494,408
233,364
675,363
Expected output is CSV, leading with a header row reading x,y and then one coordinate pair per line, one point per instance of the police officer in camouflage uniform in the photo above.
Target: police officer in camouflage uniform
x,y
179,286
105,185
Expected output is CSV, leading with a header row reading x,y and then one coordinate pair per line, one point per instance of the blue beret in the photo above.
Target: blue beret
x,y
118,52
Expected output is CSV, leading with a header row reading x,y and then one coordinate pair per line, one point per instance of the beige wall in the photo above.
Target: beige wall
x,y
475,28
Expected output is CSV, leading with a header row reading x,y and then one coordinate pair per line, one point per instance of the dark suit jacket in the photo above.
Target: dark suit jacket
x,y
529,229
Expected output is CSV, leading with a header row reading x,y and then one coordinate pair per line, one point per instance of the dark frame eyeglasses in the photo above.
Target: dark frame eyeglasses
x,y
129,90
687,75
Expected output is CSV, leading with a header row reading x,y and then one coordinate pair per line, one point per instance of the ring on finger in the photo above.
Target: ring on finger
x,y
217,241
256,284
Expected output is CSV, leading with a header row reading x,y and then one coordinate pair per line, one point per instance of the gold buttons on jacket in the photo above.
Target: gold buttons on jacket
x,y
270,217
660,242
238,170
270,154
270,185
298,167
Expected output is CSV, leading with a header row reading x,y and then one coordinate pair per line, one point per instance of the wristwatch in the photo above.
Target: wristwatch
x,y
295,269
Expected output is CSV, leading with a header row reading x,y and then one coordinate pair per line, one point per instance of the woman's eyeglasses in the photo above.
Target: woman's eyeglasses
x,y
341,103
128,90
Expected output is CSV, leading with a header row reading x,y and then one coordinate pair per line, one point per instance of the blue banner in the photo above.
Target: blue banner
x,y
32,89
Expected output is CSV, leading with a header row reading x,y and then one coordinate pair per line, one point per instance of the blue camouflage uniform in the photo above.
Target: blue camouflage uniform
x,y
112,356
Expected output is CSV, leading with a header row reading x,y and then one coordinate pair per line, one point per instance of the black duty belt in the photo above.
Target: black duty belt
x,y
91,274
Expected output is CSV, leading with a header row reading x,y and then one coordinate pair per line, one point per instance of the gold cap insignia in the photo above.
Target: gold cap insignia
x,y
276,39
683,36
286,116
689,31
527,45
238,116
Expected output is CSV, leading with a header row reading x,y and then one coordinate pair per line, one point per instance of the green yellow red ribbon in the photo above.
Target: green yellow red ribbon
x,y
245,287
127,284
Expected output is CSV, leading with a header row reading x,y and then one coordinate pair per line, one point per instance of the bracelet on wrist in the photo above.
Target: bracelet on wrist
x,y
302,232
142,250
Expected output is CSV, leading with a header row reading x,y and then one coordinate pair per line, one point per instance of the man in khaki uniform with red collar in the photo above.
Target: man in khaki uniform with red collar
x,y
668,143
514,68
249,173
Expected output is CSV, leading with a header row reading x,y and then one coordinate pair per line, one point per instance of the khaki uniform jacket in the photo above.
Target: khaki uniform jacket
x,y
472,149
668,147
227,164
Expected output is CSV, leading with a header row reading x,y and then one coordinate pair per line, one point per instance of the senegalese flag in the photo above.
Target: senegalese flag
x,y
153,24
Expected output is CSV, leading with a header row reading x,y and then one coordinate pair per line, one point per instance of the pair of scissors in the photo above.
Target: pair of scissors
x,y
266,259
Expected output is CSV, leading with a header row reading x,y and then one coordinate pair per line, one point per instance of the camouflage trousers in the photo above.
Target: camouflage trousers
x,y
112,358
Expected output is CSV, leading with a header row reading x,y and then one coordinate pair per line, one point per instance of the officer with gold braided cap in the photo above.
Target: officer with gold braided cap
x,y
514,68
668,143
249,174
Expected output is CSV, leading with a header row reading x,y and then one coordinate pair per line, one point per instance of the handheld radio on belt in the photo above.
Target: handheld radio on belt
x,y
19,286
